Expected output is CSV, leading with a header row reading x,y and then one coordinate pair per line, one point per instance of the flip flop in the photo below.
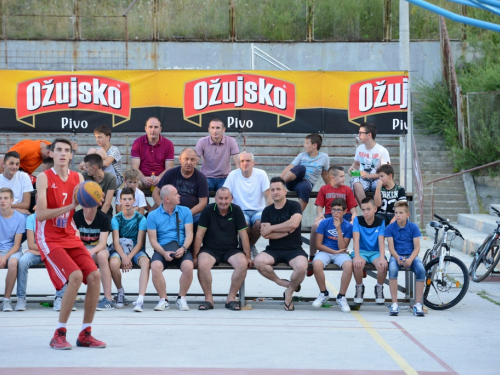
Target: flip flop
x,y
298,288
207,305
233,305
290,306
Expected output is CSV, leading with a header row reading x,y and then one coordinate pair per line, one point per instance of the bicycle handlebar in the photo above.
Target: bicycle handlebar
x,y
496,211
451,227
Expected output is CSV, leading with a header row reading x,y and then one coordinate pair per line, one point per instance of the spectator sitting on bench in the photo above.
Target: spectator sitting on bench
x,y
250,189
107,181
281,226
93,228
306,168
190,183
369,246
111,157
129,235
18,181
219,227
332,239
403,238
369,156
326,195
387,193
152,155
217,150
131,181
12,229
170,232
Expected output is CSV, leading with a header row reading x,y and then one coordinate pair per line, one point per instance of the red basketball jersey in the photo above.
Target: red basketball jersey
x,y
59,229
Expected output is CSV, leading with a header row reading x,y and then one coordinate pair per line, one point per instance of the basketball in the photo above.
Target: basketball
x,y
88,194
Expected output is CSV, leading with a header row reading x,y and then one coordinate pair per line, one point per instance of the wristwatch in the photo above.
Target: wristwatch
x,y
185,250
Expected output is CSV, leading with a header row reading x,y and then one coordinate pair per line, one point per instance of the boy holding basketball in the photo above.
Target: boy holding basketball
x,y
67,260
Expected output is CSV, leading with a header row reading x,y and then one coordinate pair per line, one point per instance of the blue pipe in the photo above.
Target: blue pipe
x,y
455,17
494,3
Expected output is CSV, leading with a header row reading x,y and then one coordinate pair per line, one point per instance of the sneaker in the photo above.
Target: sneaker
x,y
57,304
162,306
182,304
379,294
120,301
59,342
344,306
360,292
310,271
6,305
21,304
105,305
86,340
418,310
253,252
139,306
318,302
394,310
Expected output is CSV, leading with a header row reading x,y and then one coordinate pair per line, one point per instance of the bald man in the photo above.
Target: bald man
x,y
190,183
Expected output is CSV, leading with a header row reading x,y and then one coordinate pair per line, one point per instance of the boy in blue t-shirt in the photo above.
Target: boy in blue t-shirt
x,y
403,238
332,239
368,236
129,233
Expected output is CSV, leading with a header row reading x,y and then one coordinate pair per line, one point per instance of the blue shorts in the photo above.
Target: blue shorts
x,y
300,185
369,256
135,259
251,216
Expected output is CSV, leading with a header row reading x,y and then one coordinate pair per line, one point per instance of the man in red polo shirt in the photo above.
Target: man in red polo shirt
x,y
152,153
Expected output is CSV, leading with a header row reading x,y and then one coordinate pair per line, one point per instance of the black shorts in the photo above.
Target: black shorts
x,y
285,256
172,246
221,256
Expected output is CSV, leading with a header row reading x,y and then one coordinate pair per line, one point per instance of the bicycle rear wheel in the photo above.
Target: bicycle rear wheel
x,y
485,260
441,293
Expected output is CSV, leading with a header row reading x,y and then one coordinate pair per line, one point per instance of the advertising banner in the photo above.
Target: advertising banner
x,y
187,100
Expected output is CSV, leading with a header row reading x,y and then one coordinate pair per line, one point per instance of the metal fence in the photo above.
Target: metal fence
x,y
219,20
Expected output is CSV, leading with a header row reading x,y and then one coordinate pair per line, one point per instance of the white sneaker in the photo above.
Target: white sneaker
x,y
139,306
394,310
379,294
120,301
318,302
162,306
6,306
21,304
418,310
344,306
182,304
360,292
57,304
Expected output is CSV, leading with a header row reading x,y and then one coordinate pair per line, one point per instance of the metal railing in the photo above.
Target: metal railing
x,y
418,182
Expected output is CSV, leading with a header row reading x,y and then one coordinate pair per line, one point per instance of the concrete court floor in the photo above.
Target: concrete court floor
x,y
266,339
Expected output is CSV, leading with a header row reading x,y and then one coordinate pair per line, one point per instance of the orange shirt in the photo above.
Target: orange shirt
x,y
31,155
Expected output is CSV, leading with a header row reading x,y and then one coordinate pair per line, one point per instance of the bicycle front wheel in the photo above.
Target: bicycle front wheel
x,y
485,261
445,288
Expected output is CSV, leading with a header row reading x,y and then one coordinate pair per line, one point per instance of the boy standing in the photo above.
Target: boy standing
x,y
369,156
302,174
107,181
333,237
368,235
387,193
65,257
129,232
403,238
132,181
12,228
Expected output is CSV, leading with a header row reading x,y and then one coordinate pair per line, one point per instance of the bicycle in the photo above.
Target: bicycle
x,y
487,255
447,277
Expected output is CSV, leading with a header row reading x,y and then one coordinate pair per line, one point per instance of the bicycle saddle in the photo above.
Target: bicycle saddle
x,y
435,224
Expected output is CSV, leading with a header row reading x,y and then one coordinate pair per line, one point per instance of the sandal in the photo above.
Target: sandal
x,y
207,305
298,288
233,305
290,306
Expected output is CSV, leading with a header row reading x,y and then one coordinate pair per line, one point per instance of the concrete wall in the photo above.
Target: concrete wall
x,y
63,55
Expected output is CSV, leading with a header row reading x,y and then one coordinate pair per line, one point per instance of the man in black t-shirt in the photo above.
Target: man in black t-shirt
x,y
219,227
280,224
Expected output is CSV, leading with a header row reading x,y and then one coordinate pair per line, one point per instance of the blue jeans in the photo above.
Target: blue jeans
x,y
416,266
215,183
27,260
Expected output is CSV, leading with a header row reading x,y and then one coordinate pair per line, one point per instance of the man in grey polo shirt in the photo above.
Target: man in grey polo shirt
x,y
217,150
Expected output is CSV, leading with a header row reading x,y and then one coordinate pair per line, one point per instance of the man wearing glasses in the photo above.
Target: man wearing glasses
x,y
369,156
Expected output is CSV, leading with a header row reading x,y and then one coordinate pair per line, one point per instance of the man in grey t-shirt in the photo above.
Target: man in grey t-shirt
x,y
107,181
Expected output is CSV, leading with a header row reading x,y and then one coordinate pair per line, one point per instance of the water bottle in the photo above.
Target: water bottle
x,y
153,178
356,173
403,259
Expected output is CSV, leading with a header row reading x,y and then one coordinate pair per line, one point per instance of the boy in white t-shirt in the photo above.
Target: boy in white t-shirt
x,y
369,156
18,181
132,181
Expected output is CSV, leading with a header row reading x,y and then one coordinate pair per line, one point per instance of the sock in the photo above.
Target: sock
x,y
140,298
85,325
311,258
121,290
60,325
359,284
340,296
6,299
179,297
325,292
162,300
379,285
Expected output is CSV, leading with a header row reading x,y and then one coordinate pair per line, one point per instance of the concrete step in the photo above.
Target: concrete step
x,y
473,238
480,222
